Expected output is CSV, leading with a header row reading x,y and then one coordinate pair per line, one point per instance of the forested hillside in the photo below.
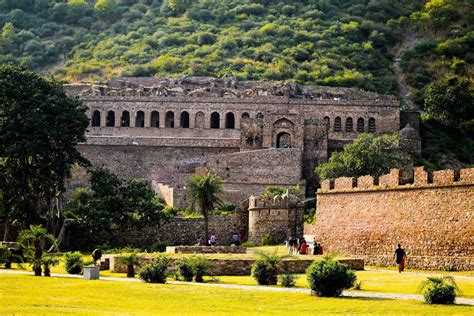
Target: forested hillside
x,y
352,43
332,42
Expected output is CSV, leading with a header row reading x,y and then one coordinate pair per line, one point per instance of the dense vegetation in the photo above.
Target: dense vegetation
x,y
333,42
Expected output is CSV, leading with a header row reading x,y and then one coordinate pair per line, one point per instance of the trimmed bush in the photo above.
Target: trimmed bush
x,y
248,244
287,280
201,266
268,240
185,269
329,278
265,268
440,290
155,271
74,262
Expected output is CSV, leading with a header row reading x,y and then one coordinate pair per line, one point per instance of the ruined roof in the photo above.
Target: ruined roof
x,y
228,87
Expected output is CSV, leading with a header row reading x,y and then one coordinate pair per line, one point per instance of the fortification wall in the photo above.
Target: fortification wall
x,y
178,231
432,216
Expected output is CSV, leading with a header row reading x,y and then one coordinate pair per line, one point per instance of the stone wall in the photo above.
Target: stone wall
x,y
206,249
178,231
432,217
281,217
241,266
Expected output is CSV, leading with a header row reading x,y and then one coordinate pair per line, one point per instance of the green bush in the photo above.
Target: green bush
x,y
201,266
248,244
440,290
265,268
156,271
268,240
159,246
329,278
185,269
74,262
287,280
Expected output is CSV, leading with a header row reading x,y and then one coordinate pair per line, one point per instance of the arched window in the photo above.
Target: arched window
x,y
372,128
327,121
283,140
96,119
245,115
349,124
184,119
215,120
155,119
229,120
360,125
125,119
140,119
259,115
199,123
337,124
249,141
169,119
110,119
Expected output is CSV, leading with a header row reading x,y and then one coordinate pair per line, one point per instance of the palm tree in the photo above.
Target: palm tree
x,y
131,260
204,191
37,236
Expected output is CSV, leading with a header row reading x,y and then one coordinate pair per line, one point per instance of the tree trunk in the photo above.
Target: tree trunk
x,y
206,226
5,233
47,272
37,270
130,271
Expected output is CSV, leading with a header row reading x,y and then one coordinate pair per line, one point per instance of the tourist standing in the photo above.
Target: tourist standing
x,y
291,244
212,240
296,246
303,247
235,239
400,258
315,248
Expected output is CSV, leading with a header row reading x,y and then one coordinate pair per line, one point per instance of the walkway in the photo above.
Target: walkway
x,y
356,294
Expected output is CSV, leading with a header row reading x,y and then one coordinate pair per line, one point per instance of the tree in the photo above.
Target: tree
x,y
179,6
106,9
36,236
367,155
40,128
450,101
204,191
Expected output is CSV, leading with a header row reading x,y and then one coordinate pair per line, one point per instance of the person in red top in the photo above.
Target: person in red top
x,y
304,248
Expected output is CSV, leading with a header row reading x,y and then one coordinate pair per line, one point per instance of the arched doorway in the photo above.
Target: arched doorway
x,y
110,119
96,119
155,119
229,120
215,120
140,119
184,119
169,119
283,140
125,119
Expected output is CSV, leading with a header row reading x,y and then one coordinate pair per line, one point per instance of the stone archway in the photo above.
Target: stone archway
x,y
283,140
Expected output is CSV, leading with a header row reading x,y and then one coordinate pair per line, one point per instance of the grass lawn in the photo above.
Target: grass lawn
x,y
20,294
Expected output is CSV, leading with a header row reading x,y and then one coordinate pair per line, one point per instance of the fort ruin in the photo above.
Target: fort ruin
x,y
251,134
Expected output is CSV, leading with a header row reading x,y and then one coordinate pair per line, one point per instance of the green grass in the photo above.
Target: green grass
x,y
373,281
51,296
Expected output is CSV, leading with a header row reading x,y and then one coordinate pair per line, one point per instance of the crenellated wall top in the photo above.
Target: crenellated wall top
x,y
277,202
393,180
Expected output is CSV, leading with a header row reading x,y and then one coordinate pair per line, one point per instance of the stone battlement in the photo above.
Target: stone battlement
x,y
279,201
395,180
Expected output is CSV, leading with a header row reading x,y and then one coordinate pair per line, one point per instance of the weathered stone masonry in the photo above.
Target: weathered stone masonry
x,y
432,217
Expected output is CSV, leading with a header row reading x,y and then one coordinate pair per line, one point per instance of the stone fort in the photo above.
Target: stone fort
x,y
251,134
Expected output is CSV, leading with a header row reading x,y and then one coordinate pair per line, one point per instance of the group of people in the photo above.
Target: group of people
x,y
212,240
300,246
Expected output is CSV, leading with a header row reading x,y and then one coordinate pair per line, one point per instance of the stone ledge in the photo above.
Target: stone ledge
x,y
423,262
206,249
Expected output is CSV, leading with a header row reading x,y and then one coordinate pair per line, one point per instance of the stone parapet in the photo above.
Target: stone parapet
x,y
438,263
206,249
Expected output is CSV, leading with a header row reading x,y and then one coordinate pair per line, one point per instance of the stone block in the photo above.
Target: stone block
x,y
420,176
345,183
391,180
327,185
467,175
365,182
91,273
443,177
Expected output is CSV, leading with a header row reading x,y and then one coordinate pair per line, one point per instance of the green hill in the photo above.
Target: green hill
x,y
387,46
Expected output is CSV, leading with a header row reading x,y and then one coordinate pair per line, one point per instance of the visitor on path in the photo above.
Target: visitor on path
x,y
316,248
212,240
304,248
291,245
296,247
400,258
235,239
320,249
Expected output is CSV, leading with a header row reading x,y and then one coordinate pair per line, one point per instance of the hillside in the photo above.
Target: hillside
x,y
386,46
330,42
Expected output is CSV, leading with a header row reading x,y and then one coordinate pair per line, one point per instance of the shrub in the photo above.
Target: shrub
x,y
248,244
268,240
287,280
265,268
440,290
185,269
74,262
158,246
201,266
131,260
156,271
48,262
329,277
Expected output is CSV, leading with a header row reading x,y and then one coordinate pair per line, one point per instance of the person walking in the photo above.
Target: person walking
x,y
291,245
235,239
212,240
400,258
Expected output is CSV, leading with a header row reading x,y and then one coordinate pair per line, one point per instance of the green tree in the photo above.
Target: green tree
x,y
40,128
106,9
204,191
179,6
36,237
367,155
450,101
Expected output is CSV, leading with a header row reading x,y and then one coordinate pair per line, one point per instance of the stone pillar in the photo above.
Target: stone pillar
x,y
162,119
237,117
103,118
147,117
118,117
192,119
222,120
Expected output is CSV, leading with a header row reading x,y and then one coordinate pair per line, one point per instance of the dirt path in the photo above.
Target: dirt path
x,y
405,90
355,294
